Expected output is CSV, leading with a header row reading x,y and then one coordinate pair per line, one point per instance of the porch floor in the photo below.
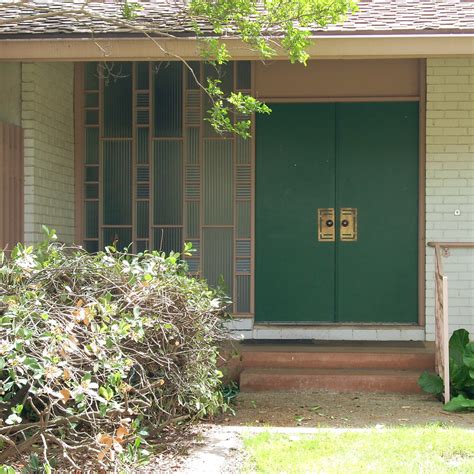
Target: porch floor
x,y
290,345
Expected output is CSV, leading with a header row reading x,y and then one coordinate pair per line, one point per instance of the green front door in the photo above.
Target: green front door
x,y
358,156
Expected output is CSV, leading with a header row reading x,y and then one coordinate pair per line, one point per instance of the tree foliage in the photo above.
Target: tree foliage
x,y
265,27
269,24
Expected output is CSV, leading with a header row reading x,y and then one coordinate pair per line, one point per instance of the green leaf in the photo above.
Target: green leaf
x,y
468,357
459,403
7,470
130,10
431,383
106,392
102,409
459,376
457,344
32,363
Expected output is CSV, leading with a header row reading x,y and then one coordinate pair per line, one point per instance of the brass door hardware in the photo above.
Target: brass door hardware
x,y
348,224
326,225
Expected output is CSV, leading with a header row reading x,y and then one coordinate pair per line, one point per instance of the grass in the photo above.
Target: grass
x,y
431,449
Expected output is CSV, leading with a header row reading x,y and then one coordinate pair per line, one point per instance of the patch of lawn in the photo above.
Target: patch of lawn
x,y
430,449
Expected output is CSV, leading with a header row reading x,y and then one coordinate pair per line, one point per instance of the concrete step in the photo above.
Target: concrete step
x,y
340,380
402,360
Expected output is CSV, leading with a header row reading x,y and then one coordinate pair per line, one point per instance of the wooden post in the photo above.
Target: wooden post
x,y
445,340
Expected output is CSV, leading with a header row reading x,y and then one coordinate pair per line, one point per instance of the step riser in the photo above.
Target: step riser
x,y
358,360
338,383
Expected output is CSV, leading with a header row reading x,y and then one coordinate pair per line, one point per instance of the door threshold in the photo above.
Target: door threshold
x,y
338,325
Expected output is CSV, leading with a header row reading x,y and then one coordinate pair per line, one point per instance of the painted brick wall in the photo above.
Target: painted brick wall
x,y
47,117
450,183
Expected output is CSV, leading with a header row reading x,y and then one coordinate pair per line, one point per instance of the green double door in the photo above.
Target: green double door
x,y
337,213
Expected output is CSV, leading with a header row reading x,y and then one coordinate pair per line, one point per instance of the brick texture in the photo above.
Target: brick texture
x,y
47,118
450,183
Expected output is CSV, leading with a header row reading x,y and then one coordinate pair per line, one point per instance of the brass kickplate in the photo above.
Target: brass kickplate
x,y
348,224
326,225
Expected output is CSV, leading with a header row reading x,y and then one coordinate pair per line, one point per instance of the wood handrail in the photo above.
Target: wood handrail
x,y
441,311
453,245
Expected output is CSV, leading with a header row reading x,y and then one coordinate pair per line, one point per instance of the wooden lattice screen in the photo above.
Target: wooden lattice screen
x,y
156,174
11,185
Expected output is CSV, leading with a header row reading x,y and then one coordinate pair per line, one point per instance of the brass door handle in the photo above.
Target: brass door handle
x,y
326,228
348,221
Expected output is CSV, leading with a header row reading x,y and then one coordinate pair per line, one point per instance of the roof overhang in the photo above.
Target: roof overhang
x,y
326,46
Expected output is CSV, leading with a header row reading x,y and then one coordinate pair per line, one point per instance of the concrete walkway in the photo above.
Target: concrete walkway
x,y
221,451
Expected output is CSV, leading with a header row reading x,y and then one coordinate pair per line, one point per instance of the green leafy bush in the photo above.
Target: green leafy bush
x,y
99,354
461,374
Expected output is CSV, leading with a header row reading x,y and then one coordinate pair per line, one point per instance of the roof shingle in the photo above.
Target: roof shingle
x,y
374,17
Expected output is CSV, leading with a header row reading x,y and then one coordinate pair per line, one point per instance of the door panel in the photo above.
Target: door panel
x,y
360,159
295,175
377,173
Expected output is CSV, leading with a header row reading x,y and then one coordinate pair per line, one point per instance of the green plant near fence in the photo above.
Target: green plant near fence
x,y
461,374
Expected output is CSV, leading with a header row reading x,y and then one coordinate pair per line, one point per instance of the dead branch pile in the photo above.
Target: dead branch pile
x,y
98,353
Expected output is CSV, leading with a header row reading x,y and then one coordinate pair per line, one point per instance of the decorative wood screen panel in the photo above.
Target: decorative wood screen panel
x,y
11,185
156,174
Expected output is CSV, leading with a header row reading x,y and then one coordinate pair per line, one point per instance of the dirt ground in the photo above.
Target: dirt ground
x,y
341,410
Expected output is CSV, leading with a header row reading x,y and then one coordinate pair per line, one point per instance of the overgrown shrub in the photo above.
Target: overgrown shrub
x,y
461,374
99,353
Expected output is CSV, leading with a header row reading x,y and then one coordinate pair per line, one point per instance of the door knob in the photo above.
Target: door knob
x,y
345,223
329,223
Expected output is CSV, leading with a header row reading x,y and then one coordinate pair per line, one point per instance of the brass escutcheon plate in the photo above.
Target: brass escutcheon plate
x,y
326,225
348,224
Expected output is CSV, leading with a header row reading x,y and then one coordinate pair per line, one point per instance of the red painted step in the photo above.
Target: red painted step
x,y
340,380
338,360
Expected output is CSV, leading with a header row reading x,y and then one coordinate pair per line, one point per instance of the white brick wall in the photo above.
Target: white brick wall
x,y
47,114
245,329
450,183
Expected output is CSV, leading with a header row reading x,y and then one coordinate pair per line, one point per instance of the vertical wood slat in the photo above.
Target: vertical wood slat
x,y
193,126
11,185
445,345
79,156
441,324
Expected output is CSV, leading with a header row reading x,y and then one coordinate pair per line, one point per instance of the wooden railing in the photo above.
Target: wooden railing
x,y
441,311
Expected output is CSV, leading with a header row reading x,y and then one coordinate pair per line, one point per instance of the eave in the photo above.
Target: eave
x,y
324,46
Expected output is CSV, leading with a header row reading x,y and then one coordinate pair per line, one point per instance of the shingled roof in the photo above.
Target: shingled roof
x,y
375,17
